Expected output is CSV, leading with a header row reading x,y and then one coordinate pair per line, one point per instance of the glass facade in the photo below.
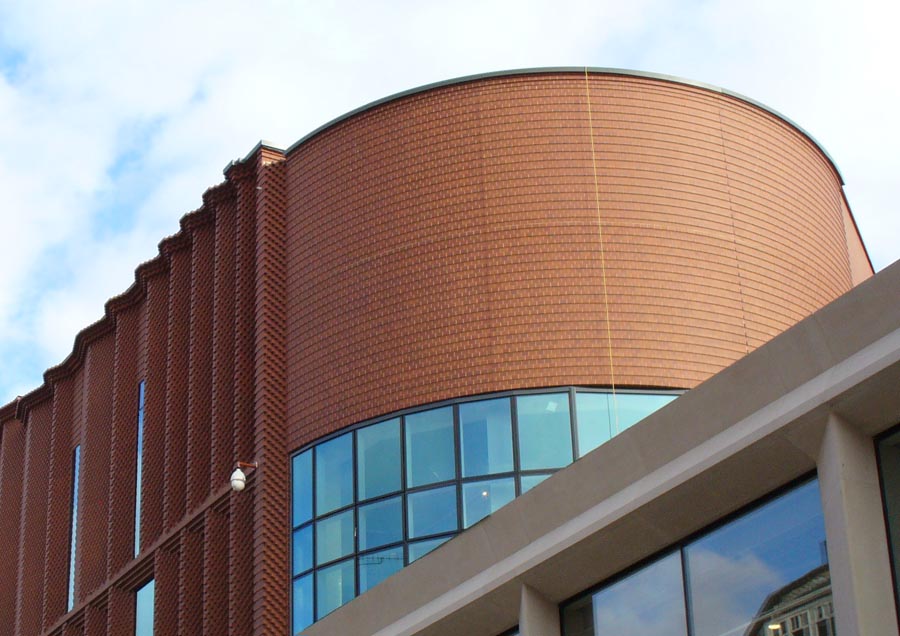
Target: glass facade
x,y
73,527
375,498
889,469
139,464
764,573
143,609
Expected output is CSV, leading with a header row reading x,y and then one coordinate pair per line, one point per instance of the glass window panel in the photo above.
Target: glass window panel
x,y
430,447
432,511
334,537
485,430
377,566
481,498
301,477
302,603
335,586
139,467
632,408
143,609
545,431
334,474
303,550
378,459
649,602
592,410
73,528
743,575
530,481
380,523
419,549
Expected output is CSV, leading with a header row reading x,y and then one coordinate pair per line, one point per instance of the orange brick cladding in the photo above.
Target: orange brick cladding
x,y
448,242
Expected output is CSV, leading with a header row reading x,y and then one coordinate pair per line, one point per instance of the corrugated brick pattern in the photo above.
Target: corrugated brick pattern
x,y
447,243
33,523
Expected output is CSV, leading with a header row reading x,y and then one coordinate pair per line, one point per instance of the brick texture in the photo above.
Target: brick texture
x,y
445,243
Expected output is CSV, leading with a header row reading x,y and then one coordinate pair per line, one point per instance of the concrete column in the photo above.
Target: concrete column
x,y
854,526
537,615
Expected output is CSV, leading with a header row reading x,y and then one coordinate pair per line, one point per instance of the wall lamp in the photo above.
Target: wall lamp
x,y
238,478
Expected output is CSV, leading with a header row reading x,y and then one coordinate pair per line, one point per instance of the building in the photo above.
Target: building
x,y
426,308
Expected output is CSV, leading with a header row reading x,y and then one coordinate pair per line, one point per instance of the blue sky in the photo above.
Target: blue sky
x,y
115,116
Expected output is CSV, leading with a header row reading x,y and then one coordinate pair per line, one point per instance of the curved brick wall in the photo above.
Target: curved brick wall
x,y
446,243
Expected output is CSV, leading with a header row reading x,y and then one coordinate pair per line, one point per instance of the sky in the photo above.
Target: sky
x,y
116,116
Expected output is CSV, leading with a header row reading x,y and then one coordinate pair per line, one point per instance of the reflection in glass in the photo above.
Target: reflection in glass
x,y
889,466
593,421
143,609
530,481
73,527
430,447
420,548
301,469
139,469
302,550
630,408
481,498
485,429
303,603
377,566
545,432
334,474
432,511
649,602
378,459
380,523
334,537
335,586
773,549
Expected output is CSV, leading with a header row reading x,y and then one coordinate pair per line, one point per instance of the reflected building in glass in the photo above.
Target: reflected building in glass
x,y
564,352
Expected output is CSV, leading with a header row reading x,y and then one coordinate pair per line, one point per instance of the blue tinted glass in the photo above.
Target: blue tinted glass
x,y
378,459
648,602
302,550
302,603
530,481
139,465
301,476
377,566
773,553
432,511
481,498
380,523
420,548
485,430
430,447
334,474
73,528
545,432
632,408
335,586
594,429
143,609
334,537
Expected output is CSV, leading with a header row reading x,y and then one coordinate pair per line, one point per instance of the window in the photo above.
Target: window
x,y
760,574
73,527
139,469
143,609
370,500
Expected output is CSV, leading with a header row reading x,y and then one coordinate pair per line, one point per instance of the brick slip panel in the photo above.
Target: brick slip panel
x,y
176,387
94,489
123,442
33,524
200,365
446,243
12,464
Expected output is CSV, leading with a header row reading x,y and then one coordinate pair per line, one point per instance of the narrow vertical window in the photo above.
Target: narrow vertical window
x,y
143,608
138,469
73,528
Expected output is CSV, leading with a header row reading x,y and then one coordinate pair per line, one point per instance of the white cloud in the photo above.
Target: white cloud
x,y
116,115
